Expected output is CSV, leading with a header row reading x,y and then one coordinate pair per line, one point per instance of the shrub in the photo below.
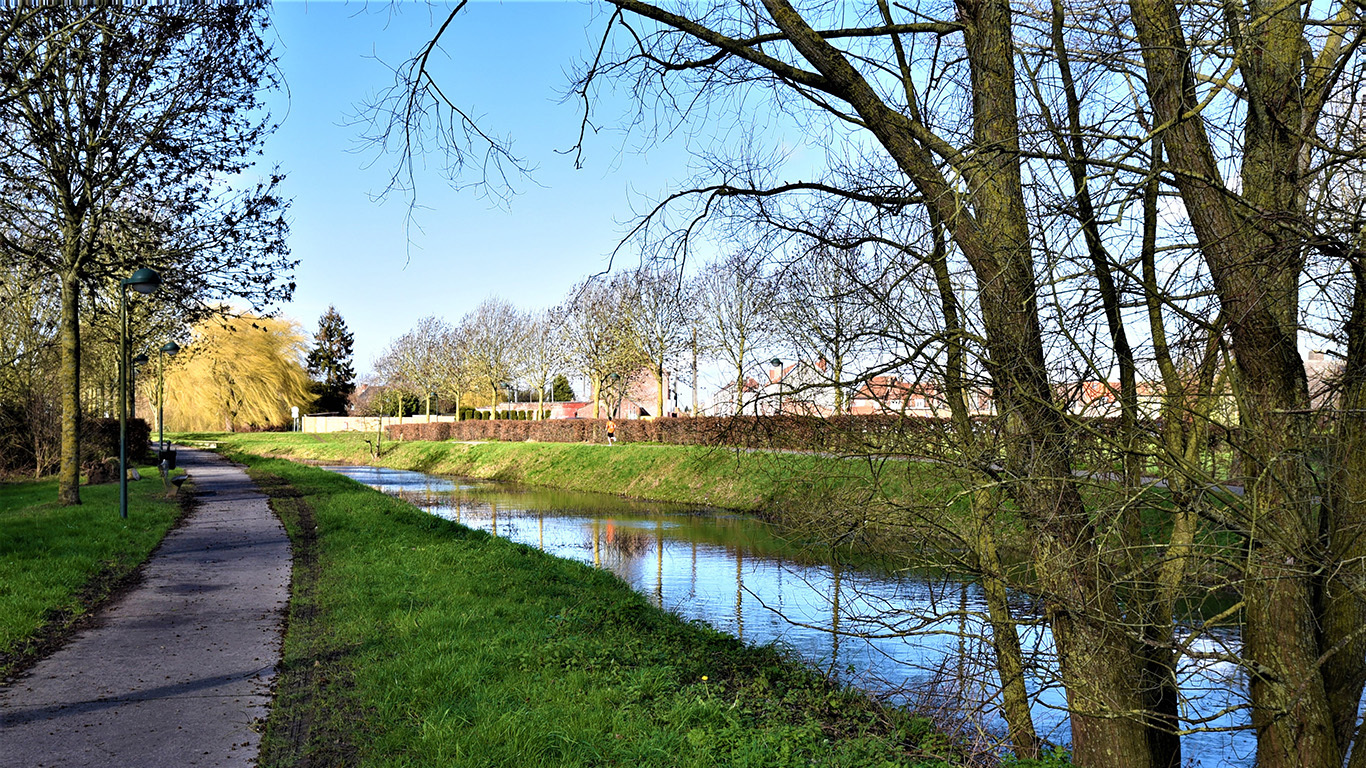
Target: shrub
x,y
100,439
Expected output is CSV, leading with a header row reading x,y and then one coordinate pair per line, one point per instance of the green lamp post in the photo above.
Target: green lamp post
x,y
169,348
143,281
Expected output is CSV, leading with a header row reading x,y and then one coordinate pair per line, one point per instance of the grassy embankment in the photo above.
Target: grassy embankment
x,y
883,512
56,562
741,480
414,641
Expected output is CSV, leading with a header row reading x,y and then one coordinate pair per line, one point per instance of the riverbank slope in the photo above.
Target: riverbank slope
x,y
736,479
415,641
877,511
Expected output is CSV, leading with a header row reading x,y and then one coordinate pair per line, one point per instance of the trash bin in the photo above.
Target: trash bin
x,y
167,455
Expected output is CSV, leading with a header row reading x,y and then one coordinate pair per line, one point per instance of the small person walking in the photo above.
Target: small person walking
x,y
611,432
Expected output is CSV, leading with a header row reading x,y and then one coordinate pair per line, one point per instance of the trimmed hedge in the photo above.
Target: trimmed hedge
x,y
1095,441
837,433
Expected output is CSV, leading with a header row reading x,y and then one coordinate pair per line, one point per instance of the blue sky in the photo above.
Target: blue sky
x,y
508,63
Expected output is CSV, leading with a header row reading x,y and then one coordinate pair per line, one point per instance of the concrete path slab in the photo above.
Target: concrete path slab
x,y
178,671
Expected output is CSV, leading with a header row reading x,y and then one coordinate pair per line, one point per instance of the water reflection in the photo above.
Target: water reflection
x,y
912,638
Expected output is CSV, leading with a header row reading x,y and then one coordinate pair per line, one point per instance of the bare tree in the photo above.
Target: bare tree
x,y
544,351
663,322
602,334
493,333
121,158
455,373
734,297
824,310
413,362
1296,74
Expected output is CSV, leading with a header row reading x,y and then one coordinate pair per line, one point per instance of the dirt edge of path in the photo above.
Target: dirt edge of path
x,y
313,716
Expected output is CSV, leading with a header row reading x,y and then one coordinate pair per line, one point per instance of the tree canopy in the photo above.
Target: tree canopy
x,y
329,363
129,132
238,372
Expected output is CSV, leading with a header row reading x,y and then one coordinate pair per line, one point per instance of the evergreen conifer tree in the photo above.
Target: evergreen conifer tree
x,y
329,363
560,390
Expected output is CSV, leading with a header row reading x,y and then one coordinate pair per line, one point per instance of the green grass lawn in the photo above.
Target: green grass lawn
x,y
414,641
56,562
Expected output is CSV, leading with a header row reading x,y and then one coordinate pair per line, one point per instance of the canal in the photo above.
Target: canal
x,y
915,639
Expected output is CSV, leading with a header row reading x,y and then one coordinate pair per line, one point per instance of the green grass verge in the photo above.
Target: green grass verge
x,y
414,641
56,562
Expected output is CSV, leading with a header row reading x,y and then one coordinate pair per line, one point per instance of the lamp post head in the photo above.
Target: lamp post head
x,y
776,363
170,348
140,359
143,281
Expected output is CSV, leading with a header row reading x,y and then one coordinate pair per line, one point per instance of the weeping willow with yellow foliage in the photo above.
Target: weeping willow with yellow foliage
x,y
238,373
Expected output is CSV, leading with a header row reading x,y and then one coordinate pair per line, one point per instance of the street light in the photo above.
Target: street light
x,y
615,378
169,348
134,364
143,281
776,363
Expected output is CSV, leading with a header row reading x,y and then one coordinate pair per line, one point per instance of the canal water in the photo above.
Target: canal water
x,y
915,639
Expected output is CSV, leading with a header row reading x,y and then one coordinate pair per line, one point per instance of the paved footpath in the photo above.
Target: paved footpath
x,y
178,671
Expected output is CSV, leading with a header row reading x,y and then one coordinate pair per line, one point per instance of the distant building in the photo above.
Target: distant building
x,y
638,401
799,388
1324,374
725,402
362,398
802,389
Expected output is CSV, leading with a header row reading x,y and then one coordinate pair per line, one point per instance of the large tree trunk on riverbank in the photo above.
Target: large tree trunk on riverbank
x,y
1098,662
1254,247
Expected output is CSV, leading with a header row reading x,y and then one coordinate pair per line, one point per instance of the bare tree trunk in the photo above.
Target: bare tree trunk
x,y
659,377
740,392
69,468
1341,603
1005,638
1256,266
694,372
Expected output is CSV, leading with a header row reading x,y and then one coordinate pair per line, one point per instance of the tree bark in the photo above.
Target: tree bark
x,y
1341,593
1005,638
69,467
1256,265
659,380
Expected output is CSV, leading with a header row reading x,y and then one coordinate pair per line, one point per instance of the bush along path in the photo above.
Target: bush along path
x,y
414,641
177,671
